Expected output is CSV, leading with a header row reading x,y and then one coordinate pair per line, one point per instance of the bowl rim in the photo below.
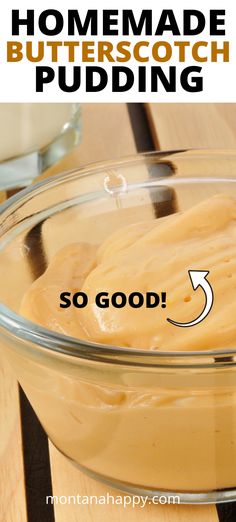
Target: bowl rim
x,y
18,327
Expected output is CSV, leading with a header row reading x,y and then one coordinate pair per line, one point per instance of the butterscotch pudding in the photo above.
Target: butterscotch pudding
x,y
147,256
132,399
158,438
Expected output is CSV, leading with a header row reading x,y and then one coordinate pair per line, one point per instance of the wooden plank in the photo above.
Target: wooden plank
x,y
183,126
12,489
201,125
197,126
107,134
69,481
12,479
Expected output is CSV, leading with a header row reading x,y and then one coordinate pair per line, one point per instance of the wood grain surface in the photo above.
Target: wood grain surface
x,y
109,131
12,488
186,125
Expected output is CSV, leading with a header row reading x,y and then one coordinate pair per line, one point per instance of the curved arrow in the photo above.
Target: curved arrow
x,y
198,278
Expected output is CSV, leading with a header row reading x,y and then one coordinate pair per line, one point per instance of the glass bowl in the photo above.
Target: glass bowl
x,y
148,423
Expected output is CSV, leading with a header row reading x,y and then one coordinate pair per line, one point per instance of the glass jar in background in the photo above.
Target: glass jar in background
x,y
34,136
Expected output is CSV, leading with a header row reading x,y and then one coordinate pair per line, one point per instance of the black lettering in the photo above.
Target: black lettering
x,y
44,75
118,295
142,79
102,300
17,22
189,14
130,24
132,298
152,300
59,22
64,298
215,22
82,28
168,84
118,72
108,22
90,79
196,84
62,79
84,301
167,22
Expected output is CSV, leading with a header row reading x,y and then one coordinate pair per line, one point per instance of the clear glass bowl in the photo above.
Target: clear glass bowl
x,y
148,423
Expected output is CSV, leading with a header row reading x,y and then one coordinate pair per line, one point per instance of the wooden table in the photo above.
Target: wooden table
x,y
30,468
